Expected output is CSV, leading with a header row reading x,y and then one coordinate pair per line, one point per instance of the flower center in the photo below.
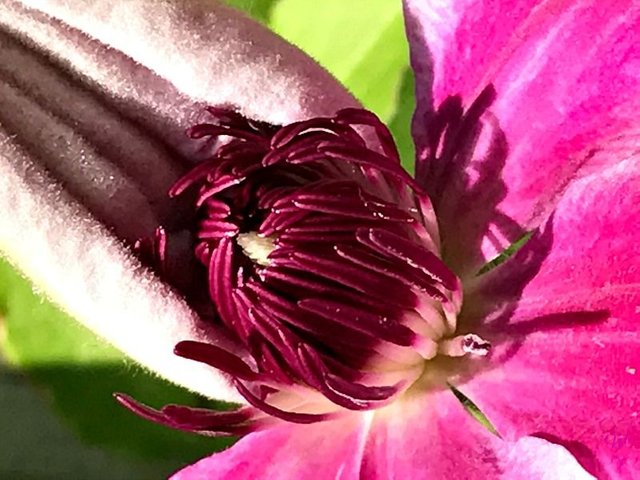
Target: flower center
x,y
321,259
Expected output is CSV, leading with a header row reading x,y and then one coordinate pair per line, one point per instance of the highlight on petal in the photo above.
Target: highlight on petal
x,y
532,457
564,326
566,83
93,108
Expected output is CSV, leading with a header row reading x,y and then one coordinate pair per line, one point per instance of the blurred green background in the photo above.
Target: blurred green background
x,y
58,419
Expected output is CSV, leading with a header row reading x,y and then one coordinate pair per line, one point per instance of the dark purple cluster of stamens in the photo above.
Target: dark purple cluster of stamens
x,y
350,256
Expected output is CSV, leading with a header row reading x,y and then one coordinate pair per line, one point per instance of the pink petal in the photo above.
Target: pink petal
x,y
566,330
427,437
329,450
534,458
92,125
434,437
567,79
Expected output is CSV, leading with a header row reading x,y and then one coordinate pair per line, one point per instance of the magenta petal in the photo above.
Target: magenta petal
x,y
325,450
567,82
566,360
433,437
427,437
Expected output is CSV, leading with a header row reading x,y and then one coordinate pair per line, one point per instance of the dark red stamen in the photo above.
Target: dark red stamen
x,y
217,358
337,226
211,422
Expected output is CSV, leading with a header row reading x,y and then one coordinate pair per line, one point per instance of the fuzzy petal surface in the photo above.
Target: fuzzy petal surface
x,y
566,328
94,100
566,76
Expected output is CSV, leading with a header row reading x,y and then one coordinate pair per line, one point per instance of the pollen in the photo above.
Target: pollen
x,y
257,247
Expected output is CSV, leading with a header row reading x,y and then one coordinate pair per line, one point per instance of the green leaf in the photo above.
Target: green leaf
x,y
258,9
36,444
473,410
507,253
400,123
79,374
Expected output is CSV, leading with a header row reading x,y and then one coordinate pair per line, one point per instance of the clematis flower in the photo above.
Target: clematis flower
x,y
349,306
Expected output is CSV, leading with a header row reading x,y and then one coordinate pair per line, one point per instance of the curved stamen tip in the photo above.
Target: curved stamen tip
x,y
461,345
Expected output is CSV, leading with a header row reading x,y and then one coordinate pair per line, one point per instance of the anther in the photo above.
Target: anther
x,y
462,345
256,247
